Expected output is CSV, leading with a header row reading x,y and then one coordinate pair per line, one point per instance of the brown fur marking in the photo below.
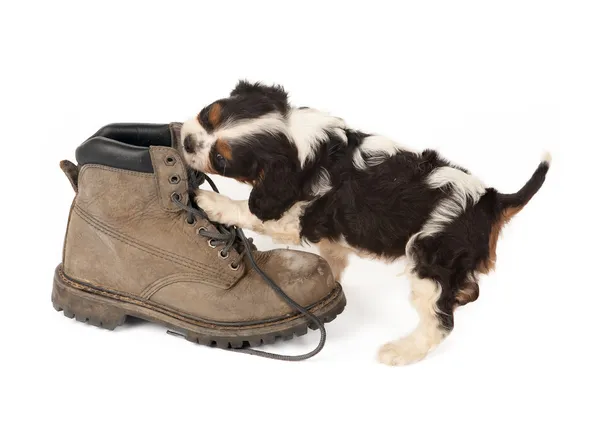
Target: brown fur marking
x,y
224,149
468,293
214,115
261,175
245,181
489,264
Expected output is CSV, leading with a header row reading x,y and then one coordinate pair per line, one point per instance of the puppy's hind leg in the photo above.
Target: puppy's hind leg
x,y
436,321
336,255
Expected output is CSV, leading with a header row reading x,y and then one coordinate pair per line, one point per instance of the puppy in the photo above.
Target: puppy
x,y
316,180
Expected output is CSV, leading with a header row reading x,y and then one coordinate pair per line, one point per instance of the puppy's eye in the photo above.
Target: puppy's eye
x,y
220,160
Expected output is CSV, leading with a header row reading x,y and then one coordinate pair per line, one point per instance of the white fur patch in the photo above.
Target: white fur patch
x,y
547,158
199,159
466,185
323,183
462,187
272,123
308,129
377,149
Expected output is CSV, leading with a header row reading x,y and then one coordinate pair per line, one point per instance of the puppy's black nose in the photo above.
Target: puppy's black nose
x,y
189,143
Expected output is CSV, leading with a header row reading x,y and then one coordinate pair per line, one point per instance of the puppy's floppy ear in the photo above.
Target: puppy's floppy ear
x,y
275,192
275,93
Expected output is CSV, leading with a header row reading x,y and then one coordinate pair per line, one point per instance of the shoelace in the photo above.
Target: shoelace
x,y
232,238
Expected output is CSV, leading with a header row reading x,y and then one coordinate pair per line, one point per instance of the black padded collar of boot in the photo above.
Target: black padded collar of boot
x,y
124,146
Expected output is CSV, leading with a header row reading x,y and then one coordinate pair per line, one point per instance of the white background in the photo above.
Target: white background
x,y
490,84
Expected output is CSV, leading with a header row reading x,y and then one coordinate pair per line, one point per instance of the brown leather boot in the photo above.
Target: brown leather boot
x,y
136,245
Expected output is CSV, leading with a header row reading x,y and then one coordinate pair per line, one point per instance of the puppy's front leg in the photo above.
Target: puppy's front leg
x,y
222,209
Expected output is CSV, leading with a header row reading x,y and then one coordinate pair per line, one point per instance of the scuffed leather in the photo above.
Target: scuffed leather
x,y
71,171
125,236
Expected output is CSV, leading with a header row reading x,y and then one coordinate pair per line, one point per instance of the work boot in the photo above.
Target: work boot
x,y
137,245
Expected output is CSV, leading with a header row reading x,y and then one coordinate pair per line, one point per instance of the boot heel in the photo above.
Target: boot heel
x,y
84,307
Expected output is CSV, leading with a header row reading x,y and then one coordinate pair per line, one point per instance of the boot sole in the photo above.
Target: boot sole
x,y
107,309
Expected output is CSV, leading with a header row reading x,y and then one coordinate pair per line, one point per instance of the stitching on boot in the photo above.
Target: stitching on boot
x,y
215,277
163,282
131,299
118,170
165,255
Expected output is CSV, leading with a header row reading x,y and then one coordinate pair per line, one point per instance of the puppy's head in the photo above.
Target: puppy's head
x,y
245,137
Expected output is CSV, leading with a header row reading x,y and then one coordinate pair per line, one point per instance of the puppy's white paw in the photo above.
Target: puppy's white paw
x,y
211,202
401,352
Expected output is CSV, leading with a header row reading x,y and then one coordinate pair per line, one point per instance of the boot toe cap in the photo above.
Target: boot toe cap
x,y
305,277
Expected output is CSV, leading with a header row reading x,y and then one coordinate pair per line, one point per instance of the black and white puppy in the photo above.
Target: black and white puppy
x,y
316,180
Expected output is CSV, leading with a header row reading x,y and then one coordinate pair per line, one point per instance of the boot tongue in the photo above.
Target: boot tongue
x,y
175,134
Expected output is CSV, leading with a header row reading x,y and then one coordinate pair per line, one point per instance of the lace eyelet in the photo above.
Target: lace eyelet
x,y
210,243
170,160
200,229
223,257
175,196
191,223
234,268
174,179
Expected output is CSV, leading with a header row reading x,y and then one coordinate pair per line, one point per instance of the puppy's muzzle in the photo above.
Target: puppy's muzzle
x,y
190,143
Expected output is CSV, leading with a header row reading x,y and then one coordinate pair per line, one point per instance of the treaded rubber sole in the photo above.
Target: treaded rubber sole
x,y
108,310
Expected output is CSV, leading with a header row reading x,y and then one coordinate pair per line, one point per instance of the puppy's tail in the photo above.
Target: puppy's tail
x,y
518,200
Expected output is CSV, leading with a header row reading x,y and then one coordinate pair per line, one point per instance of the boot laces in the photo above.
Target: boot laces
x,y
232,237
225,236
